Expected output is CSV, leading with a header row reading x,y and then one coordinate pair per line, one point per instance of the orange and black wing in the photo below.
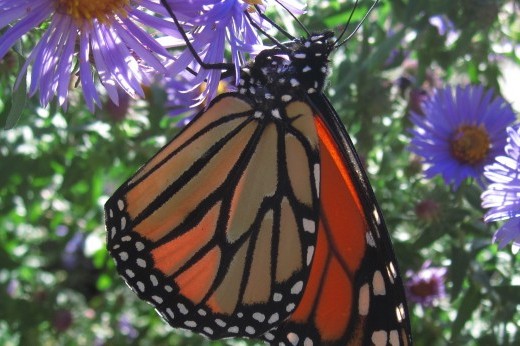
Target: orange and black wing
x,y
354,295
217,231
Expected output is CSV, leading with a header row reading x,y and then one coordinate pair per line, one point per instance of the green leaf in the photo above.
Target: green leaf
x,y
468,305
458,270
19,98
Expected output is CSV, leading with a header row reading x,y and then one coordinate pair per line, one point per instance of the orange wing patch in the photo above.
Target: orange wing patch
x,y
340,304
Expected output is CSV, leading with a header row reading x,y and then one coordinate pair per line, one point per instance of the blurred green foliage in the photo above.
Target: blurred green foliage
x,y
57,283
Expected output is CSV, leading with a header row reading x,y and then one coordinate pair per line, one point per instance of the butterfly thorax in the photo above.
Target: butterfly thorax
x,y
278,76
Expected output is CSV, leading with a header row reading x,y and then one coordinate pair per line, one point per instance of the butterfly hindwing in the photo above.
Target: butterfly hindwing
x,y
217,230
354,295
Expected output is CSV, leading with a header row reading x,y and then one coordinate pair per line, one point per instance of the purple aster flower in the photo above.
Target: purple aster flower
x,y
126,327
445,27
82,36
428,210
426,286
225,22
62,320
182,94
462,130
503,194
221,24
12,288
73,251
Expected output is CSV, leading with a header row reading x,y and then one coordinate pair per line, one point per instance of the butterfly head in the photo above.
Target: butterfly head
x,y
278,76
309,60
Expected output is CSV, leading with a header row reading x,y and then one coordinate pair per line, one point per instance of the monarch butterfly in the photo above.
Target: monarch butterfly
x,y
257,220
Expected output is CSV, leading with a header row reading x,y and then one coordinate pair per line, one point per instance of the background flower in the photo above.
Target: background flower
x,y
80,36
462,130
183,94
503,194
426,286
222,23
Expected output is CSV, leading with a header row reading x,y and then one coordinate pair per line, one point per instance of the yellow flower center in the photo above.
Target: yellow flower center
x,y
251,8
470,144
223,87
84,11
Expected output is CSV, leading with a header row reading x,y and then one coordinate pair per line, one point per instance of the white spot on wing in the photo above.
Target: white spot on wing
x,y
379,337
290,307
309,226
268,336
394,338
370,239
233,329
112,232
294,82
391,271
399,312
123,255
208,330
274,318
139,246
250,330
140,286
141,262
157,299
182,309
220,323
129,273
317,177
154,280
277,297
191,324
286,98
259,317
306,69
297,288
276,113
293,338
308,342
123,223
377,218
364,300
378,284
310,254
120,204
170,313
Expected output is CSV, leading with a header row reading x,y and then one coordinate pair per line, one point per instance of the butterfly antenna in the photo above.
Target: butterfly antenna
x,y
295,19
261,30
347,24
270,21
207,66
357,26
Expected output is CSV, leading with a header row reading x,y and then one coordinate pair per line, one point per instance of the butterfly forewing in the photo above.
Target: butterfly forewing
x,y
218,229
